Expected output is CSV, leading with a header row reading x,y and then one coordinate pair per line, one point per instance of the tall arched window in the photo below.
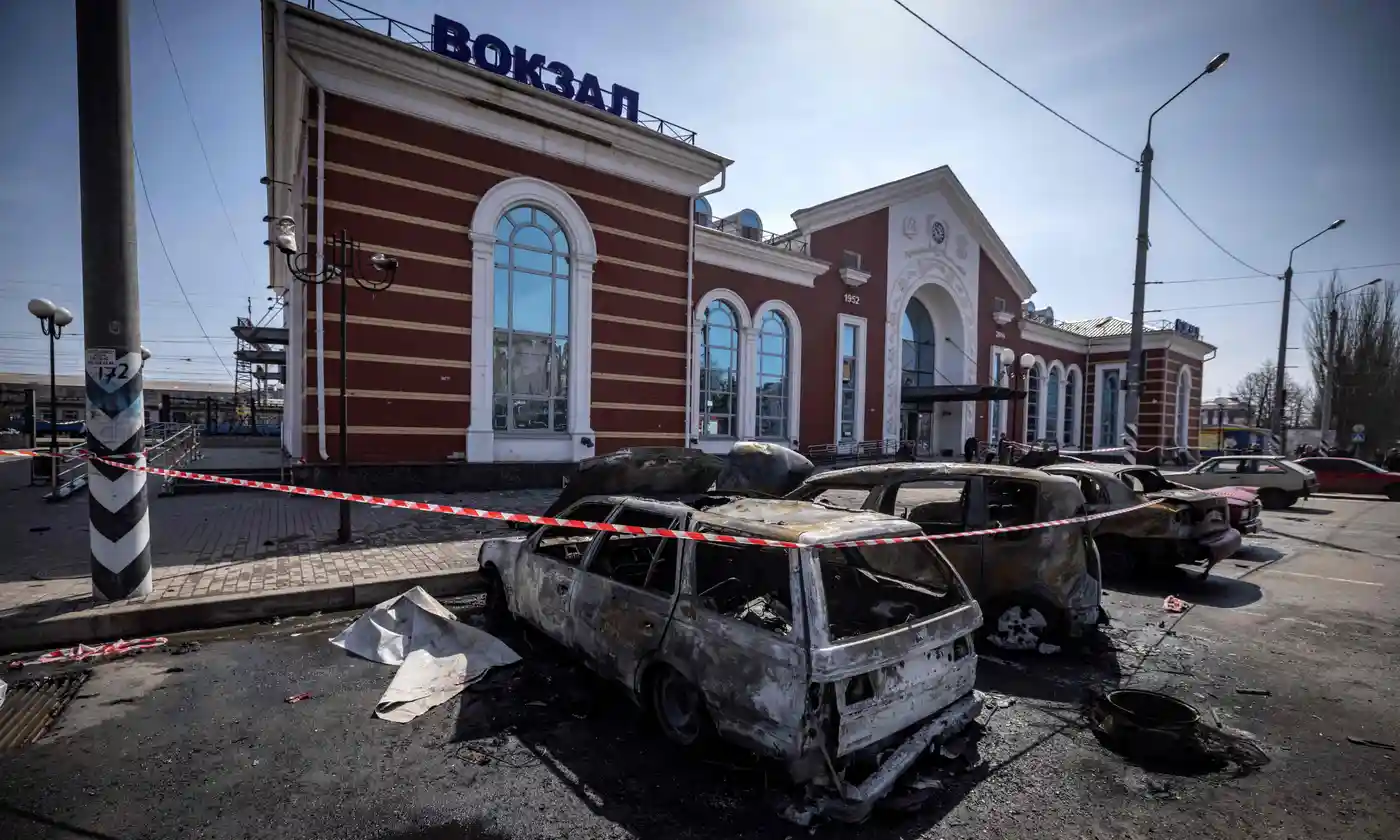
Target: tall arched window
x,y
1054,423
719,371
1034,377
773,377
995,413
1108,417
1183,407
1071,408
530,343
917,337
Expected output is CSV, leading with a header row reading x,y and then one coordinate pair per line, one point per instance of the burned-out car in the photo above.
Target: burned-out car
x,y
844,663
1035,586
1187,526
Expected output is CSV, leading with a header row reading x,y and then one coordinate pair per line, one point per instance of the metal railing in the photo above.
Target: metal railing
x,y
407,33
791,241
176,444
72,473
856,451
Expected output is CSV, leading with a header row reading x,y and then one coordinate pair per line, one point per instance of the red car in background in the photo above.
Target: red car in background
x,y
1351,475
1244,508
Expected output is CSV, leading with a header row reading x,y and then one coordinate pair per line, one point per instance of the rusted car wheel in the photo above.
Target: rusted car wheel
x,y
1018,626
1273,498
679,707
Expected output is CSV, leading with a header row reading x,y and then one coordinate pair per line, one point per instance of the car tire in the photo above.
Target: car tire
x,y
678,707
1020,624
1393,492
1272,498
497,605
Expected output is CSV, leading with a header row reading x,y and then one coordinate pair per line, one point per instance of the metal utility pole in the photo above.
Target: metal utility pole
x,y
1279,397
118,519
1135,372
1329,363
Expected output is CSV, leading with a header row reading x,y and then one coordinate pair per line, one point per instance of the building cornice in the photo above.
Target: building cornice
x,y
736,253
942,179
1064,340
374,68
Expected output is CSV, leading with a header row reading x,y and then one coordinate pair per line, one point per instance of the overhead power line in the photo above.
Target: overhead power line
x,y
141,177
1077,127
1256,276
1274,302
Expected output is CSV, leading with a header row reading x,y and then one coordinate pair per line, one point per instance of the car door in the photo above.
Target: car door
x,y
944,506
623,597
550,567
1222,472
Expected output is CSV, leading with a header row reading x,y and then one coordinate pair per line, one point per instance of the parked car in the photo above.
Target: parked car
x,y
1281,482
1188,526
1351,475
1036,585
850,661
1245,507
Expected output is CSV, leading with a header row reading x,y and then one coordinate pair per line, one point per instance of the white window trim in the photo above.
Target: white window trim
x,y
794,362
484,444
747,350
1099,371
862,363
1055,367
1074,435
1040,369
994,434
1181,416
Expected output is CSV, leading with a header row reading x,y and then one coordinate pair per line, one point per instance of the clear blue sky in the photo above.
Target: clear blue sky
x,y
813,99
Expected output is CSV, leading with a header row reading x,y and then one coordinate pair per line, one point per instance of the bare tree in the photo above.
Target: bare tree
x,y
1256,391
1365,359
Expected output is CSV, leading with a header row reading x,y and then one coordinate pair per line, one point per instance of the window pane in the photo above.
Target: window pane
x,y
536,261
498,413
529,366
500,302
848,340
561,242
531,414
561,415
503,252
500,362
561,307
530,304
520,215
503,229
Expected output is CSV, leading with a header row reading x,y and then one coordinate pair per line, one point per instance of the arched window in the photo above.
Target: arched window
x,y
1108,417
917,337
773,377
1183,407
530,342
1054,423
995,414
1071,408
703,214
719,371
1034,377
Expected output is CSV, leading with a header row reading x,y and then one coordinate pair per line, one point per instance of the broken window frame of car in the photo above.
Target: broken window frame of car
x,y
1187,527
847,708
1035,586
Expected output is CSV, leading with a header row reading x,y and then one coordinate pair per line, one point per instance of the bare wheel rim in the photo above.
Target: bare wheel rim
x,y
679,707
1019,628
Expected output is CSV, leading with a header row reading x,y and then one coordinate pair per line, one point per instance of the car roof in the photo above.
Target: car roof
x,y
1094,467
876,474
773,519
1251,457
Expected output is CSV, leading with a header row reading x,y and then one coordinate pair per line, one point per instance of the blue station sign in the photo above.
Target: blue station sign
x,y
453,40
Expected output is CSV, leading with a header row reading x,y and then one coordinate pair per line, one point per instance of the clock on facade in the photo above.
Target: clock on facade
x,y
939,233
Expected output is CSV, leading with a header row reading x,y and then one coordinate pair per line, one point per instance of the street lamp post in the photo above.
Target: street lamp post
x,y
1140,269
342,261
1008,360
1277,425
1329,361
52,320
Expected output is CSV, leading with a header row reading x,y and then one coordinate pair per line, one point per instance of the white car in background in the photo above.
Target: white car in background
x,y
1281,482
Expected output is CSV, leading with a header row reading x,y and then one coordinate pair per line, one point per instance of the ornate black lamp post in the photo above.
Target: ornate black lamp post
x,y
52,320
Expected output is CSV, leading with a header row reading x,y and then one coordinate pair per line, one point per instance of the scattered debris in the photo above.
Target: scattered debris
x,y
1159,731
1257,692
438,656
182,648
297,698
1173,604
1048,649
82,653
1016,666
1367,742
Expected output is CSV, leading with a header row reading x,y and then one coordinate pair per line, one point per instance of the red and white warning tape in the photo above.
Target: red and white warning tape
x,y
531,519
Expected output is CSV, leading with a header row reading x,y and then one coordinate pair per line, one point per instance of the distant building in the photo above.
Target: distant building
x,y
1225,411
189,402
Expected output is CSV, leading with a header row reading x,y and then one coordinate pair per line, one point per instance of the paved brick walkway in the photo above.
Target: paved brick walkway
x,y
236,543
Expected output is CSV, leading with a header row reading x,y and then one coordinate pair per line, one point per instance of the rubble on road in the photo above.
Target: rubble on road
x,y
438,656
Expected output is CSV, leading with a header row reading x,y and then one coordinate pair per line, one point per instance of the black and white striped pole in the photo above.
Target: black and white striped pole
x,y
118,519
1130,442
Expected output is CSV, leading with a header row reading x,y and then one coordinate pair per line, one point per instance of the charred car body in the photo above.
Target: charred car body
x,y
1187,527
1034,585
845,664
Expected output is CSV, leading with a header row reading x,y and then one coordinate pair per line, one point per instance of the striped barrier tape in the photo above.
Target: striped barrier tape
x,y
531,519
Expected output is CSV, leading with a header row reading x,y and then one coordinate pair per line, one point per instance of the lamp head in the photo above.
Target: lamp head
x,y
1217,62
62,317
286,235
1027,361
1336,224
145,354
1008,357
384,262
42,308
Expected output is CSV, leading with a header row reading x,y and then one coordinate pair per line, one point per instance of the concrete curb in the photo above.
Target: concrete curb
x,y
182,614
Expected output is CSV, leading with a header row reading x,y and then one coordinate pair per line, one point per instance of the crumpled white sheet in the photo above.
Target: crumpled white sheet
x,y
438,656
4,689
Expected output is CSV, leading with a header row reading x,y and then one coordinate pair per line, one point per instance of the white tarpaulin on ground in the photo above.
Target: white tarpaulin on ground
x,y
438,656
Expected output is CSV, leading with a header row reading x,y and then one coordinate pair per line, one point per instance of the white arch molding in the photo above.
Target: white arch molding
x,y
952,309
1181,421
484,444
748,349
794,363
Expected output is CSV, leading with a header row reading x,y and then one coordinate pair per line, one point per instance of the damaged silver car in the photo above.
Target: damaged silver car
x,y
845,664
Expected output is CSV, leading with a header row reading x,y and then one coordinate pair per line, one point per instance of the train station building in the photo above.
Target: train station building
x,y
568,284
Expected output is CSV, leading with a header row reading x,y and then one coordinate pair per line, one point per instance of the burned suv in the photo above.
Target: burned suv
x,y
1187,526
845,662
1035,586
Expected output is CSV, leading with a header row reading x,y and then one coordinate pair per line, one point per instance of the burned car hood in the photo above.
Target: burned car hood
x,y
1195,498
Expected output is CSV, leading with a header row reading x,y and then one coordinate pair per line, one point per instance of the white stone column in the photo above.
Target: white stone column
x,y
481,436
580,422
748,383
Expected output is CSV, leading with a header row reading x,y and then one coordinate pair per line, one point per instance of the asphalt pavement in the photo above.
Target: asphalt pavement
x,y
197,740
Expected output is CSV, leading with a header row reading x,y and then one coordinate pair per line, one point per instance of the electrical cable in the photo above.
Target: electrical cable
x,y
1255,276
141,177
